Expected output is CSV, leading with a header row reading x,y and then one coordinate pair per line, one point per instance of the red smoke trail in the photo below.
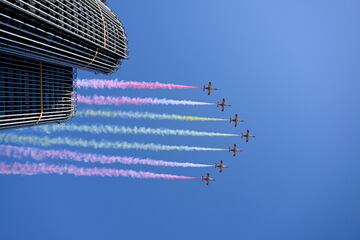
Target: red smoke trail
x,y
107,100
98,84
38,154
29,169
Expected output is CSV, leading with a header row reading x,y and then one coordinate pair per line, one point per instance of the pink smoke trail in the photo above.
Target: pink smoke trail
x,y
99,84
107,100
29,169
40,155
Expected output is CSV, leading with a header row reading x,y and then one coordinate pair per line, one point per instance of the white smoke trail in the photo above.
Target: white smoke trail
x,y
106,129
102,144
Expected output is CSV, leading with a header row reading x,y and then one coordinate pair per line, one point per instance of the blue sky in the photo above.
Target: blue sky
x,y
290,68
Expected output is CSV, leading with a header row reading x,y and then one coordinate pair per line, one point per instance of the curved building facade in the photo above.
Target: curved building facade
x,y
83,34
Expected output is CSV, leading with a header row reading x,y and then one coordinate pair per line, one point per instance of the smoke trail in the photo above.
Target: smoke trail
x,y
143,115
29,169
107,100
106,129
40,155
79,142
99,83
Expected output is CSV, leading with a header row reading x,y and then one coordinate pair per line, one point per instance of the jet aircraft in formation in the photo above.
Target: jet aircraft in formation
x,y
236,120
207,179
247,135
222,105
209,88
220,165
234,150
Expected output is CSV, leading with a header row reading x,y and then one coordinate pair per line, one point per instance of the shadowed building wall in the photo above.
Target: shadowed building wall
x,y
82,34
33,92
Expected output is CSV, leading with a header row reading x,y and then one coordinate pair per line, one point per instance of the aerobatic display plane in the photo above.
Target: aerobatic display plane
x,y
234,150
207,179
209,88
220,165
247,135
235,120
222,104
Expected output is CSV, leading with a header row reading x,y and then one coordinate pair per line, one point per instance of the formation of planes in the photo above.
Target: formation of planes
x,y
235,120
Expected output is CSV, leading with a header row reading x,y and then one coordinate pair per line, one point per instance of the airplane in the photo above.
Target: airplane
x,y
235,120
220,165
207,179
235,150
247,135
209,88
222,105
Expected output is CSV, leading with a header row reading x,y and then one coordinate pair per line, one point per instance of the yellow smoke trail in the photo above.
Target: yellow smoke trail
x,y
111,129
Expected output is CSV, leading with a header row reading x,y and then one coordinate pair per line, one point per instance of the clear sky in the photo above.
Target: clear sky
x,y
290,68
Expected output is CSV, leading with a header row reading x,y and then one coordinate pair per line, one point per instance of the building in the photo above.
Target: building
x,y
33,92
83,34
41,45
